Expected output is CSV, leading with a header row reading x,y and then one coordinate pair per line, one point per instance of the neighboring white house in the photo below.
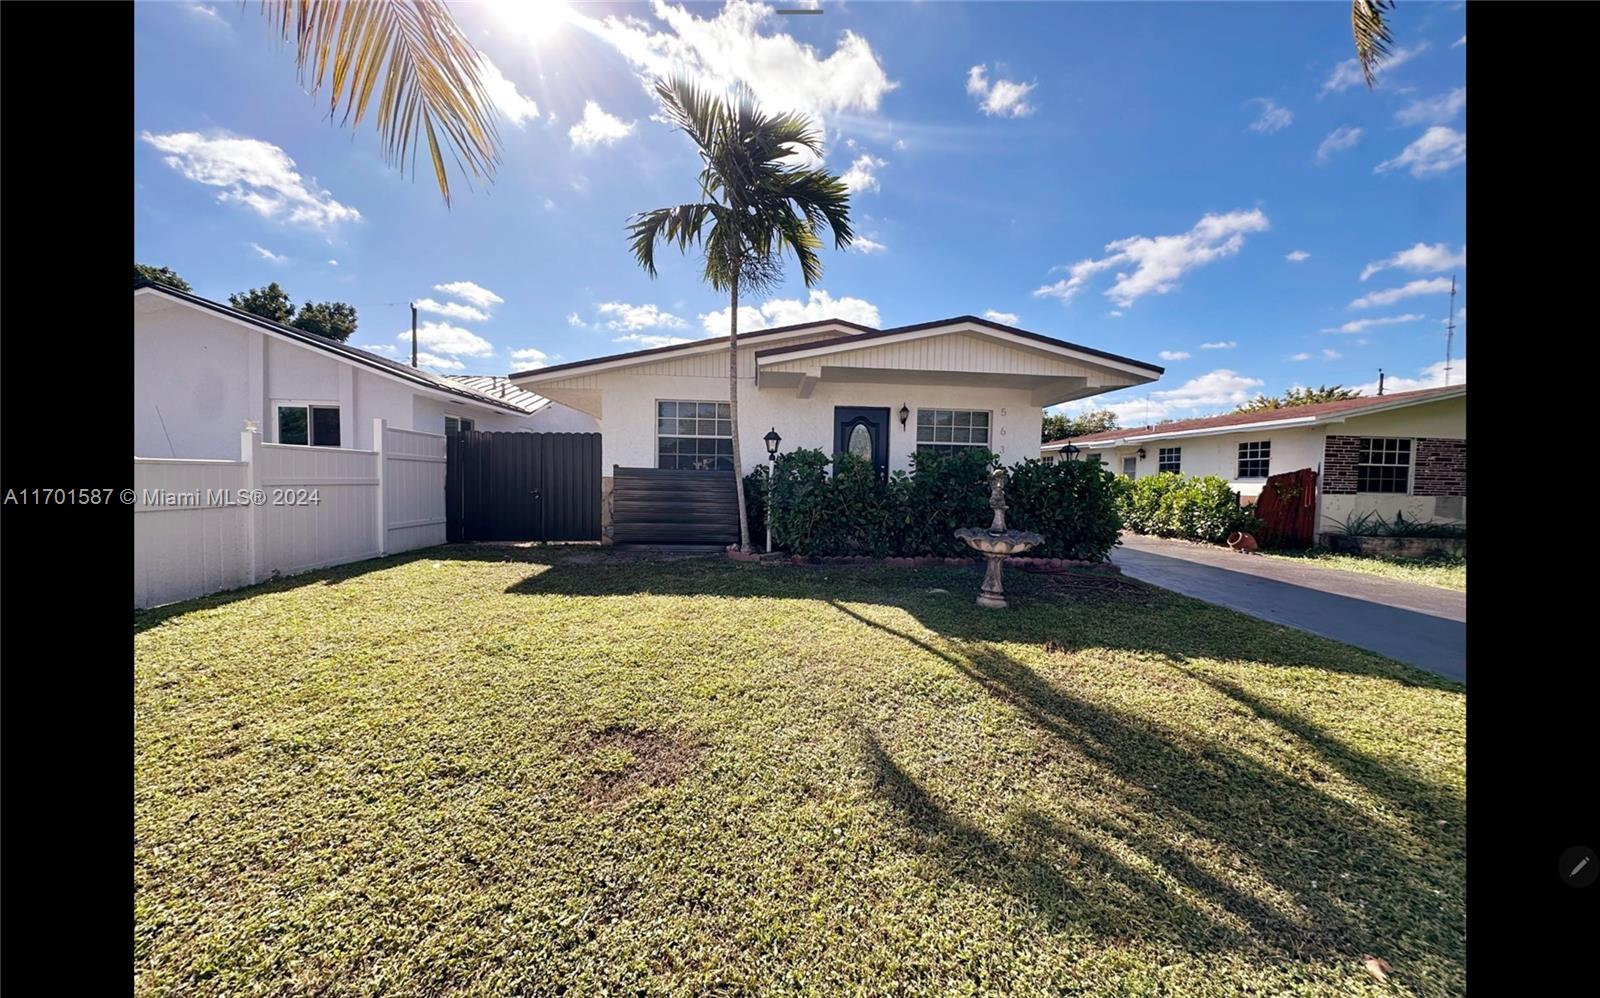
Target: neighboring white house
x,y
1405,452
835,386
201,369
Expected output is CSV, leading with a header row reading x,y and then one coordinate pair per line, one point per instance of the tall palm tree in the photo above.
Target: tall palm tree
x,y
414,58
756,203
1372,35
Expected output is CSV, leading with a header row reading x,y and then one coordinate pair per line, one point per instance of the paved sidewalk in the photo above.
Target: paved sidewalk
x,y
1421,625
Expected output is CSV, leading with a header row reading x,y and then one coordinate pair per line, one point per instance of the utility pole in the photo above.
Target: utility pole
x,y
413,334
1450,330
1380,381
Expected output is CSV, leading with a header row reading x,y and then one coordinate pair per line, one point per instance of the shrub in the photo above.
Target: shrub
x,y
1072,504
755,504
1196,508
799,489
944,493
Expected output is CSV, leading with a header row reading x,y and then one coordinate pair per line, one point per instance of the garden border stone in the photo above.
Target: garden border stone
x,y
926,561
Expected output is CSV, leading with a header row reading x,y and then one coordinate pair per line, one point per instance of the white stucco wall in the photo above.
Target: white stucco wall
x,y
1292,449
629,426
198,377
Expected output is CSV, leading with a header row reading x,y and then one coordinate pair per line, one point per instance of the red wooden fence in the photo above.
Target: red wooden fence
x,y
1288,509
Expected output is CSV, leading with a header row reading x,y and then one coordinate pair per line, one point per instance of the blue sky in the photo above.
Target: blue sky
x,y
1205,186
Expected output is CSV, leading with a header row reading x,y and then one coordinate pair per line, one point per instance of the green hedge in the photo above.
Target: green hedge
x,y
1192,507
853,511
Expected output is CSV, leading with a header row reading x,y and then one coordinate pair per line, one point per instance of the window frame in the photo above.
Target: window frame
x,y
1176,455
464,424
1262,455
311,426
946,447
1364,450
656,418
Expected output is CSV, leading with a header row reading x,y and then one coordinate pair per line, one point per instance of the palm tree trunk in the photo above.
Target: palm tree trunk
x,y
733,413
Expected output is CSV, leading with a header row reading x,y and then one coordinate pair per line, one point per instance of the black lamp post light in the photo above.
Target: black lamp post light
x,y
773,440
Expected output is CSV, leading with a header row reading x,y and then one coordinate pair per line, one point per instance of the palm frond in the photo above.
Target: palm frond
x,y
1372,35
414,59
681,225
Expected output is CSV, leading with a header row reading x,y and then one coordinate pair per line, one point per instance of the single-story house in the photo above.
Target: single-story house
x,y
833,385
202,368
1405,452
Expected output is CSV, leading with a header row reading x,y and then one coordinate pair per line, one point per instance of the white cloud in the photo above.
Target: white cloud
x,y
1004,318
576,321
1341,138
818,305
596,127
387,349
528,358
1115,313
452,310
333,263
1459,42
1274,116
1159,262
1347,74
447,339
1216,391
1220,345
784,74
519,110
900,145
627,317
1300,356
205,12
439,363
1437,285
1438,150
1433,110
467,291
650,341
1420,259
860,177
1297,256
267,254
1431,376
256,174
1362,325
1174,355
1328,354
866,245
1005,98
549,205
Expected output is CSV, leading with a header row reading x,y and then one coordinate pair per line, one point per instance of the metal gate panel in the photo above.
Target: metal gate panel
x,y
510,486
671,506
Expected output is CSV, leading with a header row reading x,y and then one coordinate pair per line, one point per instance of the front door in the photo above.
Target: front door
x,y
864,432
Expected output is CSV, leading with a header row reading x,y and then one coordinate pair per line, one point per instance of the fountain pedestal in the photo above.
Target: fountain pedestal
x,y
997,543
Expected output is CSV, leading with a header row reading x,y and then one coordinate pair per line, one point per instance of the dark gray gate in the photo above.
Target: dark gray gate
x,y
522,486
662,506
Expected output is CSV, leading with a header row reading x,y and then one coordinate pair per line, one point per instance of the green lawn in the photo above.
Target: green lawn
x,y
1445,573
515,772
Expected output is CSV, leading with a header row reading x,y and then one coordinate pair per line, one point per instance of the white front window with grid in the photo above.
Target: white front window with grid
x,y
941,431
696,436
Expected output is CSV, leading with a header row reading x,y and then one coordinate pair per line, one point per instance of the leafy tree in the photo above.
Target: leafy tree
x,y
1299,396
414,58
270,302
757,204
333,319
1058,426
160,275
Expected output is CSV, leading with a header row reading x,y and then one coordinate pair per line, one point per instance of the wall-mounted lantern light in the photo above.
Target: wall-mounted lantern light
x,y
905,414
1141,453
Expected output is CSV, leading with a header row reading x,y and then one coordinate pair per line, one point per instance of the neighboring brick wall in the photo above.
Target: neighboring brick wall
x,y
1440,467
1339,457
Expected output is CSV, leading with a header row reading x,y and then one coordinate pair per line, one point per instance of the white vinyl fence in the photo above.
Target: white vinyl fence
x,y
203,526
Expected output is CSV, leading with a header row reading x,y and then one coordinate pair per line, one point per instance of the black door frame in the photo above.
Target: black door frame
x,y
847,417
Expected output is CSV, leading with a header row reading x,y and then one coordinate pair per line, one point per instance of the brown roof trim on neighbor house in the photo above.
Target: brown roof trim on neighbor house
x,y
672,347
975,320
1302,414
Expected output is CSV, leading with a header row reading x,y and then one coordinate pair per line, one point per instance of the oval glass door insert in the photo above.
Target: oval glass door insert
x,y
860,443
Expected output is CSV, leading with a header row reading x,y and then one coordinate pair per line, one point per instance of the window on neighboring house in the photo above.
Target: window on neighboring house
x,y
1047,459
697,436
1169,459
306,423
1130,467
1096,458
1384,465
458,424
1255,459
941,431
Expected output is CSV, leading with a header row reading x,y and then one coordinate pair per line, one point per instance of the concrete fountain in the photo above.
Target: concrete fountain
x,y
997,543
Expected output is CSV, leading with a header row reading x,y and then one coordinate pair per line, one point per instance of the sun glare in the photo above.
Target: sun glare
x,y
533,19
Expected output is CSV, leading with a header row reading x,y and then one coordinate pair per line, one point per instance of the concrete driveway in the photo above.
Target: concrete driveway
x,y
1421,625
